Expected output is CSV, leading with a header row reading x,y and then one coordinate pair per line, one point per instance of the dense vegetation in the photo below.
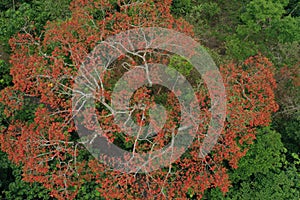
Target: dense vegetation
x,y
242,36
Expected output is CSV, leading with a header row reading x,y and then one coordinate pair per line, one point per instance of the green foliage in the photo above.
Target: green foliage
x,y
296,159
181,7
195,17
240,49
89,191
290,130
264,155
30,16
5,78
287,29
263,173
210,10
12,21
260,12
203,13
293,8
286,54
264,25
20,190
13,188
26,114
6,172
280,185
11,4
181,65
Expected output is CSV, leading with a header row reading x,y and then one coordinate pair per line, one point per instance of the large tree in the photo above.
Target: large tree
x,y
41,136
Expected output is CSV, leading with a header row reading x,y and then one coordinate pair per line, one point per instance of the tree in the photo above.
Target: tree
x,y
288,91
265,26
264,172
28,16
286,120
181,7
45,139
12,186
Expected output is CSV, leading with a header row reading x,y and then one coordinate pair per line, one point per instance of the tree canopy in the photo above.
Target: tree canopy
x,y
255,44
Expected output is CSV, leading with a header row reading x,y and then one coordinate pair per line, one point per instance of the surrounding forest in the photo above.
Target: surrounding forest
x,y
254,43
